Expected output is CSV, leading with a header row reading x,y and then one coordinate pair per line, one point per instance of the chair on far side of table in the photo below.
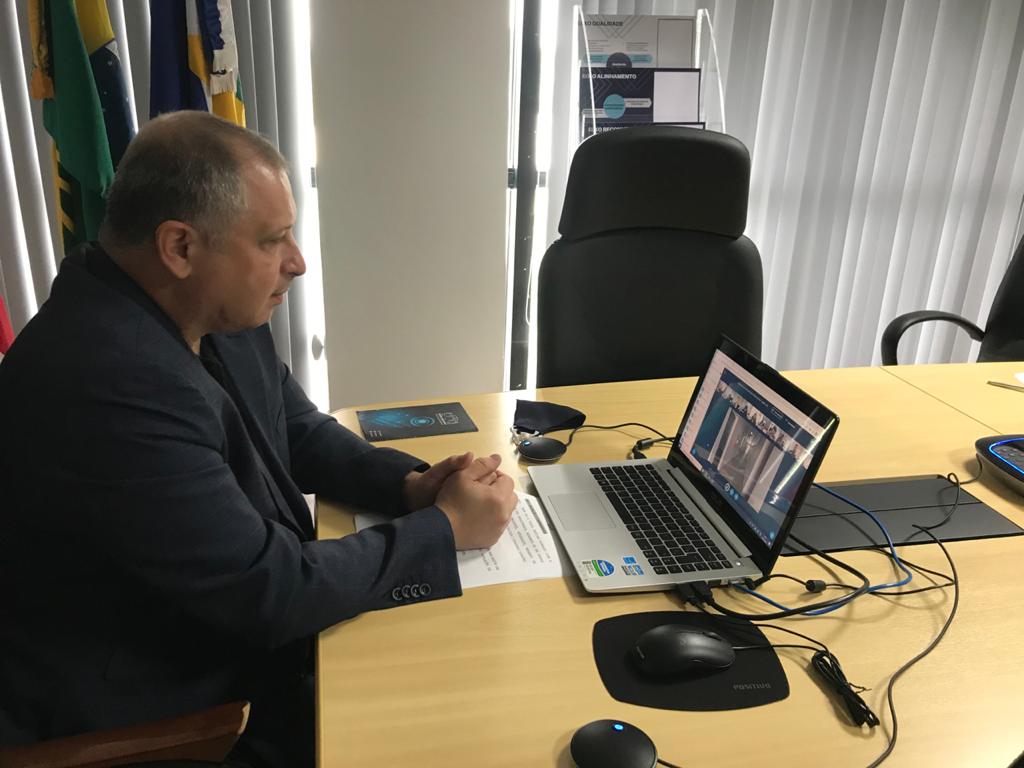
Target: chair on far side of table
x,y
652,266
1003,337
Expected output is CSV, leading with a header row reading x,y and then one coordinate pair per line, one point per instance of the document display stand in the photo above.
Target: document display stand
x,y
643,70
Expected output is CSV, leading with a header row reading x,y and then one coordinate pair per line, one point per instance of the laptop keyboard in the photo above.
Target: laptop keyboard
x,y
667,534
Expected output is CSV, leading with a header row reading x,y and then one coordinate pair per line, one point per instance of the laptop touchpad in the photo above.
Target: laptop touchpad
x,y
581,512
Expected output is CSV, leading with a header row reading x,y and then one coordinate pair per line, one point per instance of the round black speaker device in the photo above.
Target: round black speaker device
x,y
612,744
541,449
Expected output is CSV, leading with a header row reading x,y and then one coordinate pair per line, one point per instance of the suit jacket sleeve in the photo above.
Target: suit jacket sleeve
x,y
330,459
160,499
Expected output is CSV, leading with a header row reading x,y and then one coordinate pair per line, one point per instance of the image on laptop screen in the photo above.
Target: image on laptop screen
x,y
751,444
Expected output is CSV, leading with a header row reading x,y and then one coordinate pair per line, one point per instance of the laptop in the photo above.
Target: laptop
x,y
719,508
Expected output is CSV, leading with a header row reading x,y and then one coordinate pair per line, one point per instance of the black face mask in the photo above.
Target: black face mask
x,y
538,418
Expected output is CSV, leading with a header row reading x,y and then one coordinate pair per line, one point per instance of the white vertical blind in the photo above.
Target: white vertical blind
x,y
887,169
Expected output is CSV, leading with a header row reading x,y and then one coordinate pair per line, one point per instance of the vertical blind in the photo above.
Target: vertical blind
x,y
887,161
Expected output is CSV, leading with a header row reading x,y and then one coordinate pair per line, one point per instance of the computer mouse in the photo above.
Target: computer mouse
x,y
612,744
676,650
541,449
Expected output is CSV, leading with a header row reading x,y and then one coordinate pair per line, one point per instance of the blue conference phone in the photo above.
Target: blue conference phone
x,y
1004,455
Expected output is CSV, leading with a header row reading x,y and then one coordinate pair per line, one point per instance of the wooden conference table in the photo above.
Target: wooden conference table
x,y
504,675
966,388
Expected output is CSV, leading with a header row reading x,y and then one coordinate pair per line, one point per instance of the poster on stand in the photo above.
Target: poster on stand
x,y
587,133
639,41
637,97
641,72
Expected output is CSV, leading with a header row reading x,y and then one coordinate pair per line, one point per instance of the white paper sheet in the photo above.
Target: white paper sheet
x,y
677,97
525,551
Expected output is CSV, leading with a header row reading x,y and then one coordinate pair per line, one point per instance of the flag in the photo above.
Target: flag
x,y
172,85
6,331
85,109
217,31
98,36
194,59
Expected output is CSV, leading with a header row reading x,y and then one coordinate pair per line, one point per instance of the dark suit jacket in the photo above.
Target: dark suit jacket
x,y
156,553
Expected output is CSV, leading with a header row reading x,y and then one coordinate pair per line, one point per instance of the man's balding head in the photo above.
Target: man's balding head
x,y
183,166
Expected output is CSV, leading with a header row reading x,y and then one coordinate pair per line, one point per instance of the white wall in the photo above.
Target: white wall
x,y
411,109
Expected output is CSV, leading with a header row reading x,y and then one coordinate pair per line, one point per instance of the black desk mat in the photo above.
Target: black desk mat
x,y
833,525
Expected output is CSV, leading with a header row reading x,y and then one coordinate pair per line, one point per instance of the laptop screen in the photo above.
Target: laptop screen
x,y
753,445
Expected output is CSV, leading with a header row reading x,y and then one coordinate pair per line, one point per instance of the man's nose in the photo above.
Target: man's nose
x,y
295,265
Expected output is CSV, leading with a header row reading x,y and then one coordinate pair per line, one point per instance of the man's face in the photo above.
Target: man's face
x,y
243,276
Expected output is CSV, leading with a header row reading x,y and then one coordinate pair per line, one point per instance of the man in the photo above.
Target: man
x,y
156,553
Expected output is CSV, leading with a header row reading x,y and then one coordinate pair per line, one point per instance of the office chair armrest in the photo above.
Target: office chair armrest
x,y
201,736
899,325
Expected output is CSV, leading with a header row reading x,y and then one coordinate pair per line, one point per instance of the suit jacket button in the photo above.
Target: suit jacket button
x,y
414,590
424,589
396,594
406,592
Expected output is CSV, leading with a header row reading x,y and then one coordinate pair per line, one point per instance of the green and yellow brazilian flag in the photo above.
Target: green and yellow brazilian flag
x,y
85,109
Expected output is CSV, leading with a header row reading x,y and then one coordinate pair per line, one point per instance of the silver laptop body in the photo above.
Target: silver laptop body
x,y
718,509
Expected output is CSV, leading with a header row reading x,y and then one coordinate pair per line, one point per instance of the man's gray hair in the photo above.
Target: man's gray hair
x,y
183,166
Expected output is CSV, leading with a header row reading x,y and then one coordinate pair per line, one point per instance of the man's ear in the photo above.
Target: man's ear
x,y
177,246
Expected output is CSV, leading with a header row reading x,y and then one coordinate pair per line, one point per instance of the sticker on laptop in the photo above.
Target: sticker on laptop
x,y
631,567
599,568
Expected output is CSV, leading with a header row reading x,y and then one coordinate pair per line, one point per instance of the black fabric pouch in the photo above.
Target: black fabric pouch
x,y
540,418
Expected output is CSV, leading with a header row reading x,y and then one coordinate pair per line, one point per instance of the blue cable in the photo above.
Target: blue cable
x,y
840,603
885,532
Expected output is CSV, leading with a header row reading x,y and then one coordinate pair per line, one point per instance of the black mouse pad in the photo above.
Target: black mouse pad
x,y
755,678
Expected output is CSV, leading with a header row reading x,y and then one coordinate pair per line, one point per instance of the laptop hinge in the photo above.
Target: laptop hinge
x,y
710,515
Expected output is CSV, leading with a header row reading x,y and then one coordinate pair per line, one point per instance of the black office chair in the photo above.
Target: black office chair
x,y
1003,337
652,265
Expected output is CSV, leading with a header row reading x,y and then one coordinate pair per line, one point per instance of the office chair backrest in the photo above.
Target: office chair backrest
x,y
1004,331
652,265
